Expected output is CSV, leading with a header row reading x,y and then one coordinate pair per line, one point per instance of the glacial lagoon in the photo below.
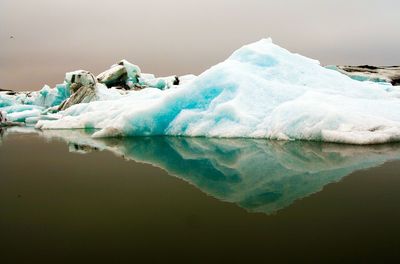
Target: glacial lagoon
x,y
67,195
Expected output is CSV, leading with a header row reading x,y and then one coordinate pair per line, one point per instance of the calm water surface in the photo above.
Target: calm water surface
x,y
65,197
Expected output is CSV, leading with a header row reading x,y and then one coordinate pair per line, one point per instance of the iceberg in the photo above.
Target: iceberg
x,y
260,91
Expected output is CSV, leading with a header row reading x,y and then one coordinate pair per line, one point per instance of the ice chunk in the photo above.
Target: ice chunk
x,y
49,97
261,91
158,83
46,97
133,71
103,93
6,100
84,94
82,87
113,76
161,83
34,119
129,76
122,74
18,113
186,78
31,106
81,77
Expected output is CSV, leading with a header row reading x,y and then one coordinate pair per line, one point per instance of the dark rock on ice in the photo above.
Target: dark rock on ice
x,y
115,76
123,74
389,74
82,87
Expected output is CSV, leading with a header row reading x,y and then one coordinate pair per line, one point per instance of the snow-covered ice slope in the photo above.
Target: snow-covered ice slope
x,y
260,91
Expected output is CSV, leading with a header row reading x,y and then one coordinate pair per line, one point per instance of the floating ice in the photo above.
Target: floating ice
x,y
19,113
30,105
46,97
261,91
161,83
80,77
112,75
127,75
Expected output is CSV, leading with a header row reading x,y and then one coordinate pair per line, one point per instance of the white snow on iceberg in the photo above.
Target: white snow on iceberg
x,y
261,91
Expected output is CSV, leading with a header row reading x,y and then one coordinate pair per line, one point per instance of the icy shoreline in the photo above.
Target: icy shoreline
x,y
261,91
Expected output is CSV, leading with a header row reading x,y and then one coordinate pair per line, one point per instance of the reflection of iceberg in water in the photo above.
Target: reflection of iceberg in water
x,y
1,135
258,175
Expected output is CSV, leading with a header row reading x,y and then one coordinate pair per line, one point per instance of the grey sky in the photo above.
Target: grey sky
x,y
185,36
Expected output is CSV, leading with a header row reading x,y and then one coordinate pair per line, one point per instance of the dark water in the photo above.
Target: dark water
x,y
65,197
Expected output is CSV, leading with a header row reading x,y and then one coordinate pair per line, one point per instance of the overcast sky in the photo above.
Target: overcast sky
x,y
184,36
